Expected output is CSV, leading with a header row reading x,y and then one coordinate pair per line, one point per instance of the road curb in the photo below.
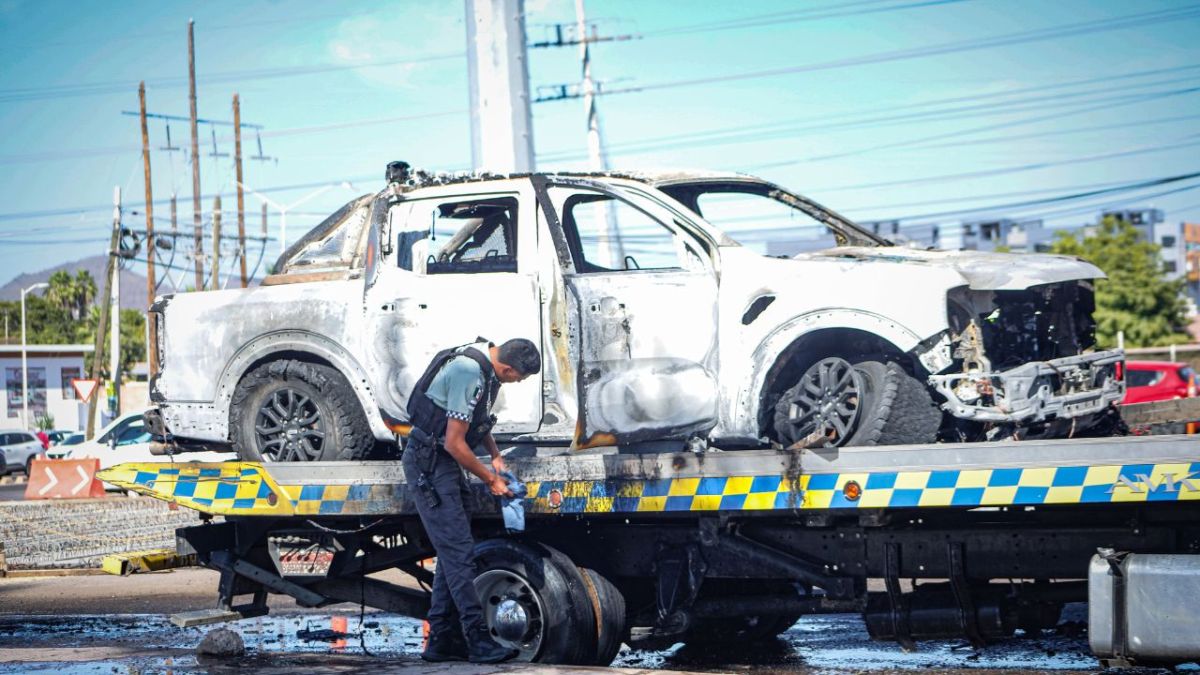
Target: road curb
x,y
14,480
65,572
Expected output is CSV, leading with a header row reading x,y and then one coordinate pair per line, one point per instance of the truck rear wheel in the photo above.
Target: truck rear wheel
x,y
608,607
292,411
534,600
863,403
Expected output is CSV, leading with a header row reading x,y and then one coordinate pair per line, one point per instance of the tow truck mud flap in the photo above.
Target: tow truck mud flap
x,y
1142,608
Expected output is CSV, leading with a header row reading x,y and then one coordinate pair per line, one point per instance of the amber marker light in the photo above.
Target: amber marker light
x,y
852,490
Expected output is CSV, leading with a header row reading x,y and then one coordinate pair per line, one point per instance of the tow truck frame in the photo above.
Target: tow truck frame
x,y
969,540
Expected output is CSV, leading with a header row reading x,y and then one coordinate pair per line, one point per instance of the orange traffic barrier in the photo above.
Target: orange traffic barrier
x,y
64,479
339,624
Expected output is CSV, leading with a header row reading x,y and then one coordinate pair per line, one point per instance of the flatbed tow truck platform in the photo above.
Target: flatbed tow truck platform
x,y
714,546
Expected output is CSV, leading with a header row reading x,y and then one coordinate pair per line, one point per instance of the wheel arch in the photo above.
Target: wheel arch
x,y
797,343
301,346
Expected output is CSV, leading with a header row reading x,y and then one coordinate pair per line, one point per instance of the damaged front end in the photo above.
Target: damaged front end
x,y
1025,357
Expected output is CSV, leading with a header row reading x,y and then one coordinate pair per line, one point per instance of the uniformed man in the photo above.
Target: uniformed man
x,y
450,410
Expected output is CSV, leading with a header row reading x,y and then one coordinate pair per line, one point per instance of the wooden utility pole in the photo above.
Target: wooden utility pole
x,y
105,307
241,204
197,219
151,249
216,236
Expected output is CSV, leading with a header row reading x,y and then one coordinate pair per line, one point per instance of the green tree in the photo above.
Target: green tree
x,y
1135,298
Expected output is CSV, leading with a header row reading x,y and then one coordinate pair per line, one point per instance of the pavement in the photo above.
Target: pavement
x,y
102,624
12,487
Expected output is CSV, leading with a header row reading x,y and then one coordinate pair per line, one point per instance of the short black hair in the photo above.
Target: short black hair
x,y
521,354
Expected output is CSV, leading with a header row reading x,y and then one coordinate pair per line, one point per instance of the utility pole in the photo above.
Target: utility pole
x,y
216,236
105,299
241,204
498,72
151,249
196,217
610,241
114,345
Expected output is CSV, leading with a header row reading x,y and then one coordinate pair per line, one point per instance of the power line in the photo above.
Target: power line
x,y
809,14
914,112
112,87
1009,39
1011,169
990,127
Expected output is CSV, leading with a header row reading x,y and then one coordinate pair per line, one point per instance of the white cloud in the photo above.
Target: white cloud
x,y
395,36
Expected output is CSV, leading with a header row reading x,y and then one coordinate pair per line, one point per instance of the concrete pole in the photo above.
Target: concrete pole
x,y
498,72
114,344
197,219
216,235
611,248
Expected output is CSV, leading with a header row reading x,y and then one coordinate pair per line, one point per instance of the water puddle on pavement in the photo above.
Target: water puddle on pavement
x,y
109,645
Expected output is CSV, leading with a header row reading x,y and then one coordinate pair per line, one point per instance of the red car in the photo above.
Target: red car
x,y
1158,381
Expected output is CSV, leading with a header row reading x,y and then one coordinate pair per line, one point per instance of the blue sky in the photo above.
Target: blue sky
x,y
878,108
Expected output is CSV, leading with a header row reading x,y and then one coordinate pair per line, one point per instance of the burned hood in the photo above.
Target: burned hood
x,y
983,271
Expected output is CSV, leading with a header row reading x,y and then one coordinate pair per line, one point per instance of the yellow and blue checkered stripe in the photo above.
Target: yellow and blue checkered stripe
x,y
238,488
902,489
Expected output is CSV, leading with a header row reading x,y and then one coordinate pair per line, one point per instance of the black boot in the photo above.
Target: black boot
x,y
483,649
445,645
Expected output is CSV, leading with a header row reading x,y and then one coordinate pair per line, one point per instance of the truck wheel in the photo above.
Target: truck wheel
x,y
291,411
865,403
608,608
534,600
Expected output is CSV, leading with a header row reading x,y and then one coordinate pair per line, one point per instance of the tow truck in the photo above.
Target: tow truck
x,y
980,540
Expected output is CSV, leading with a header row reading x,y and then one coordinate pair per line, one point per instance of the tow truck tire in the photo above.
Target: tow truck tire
x,y
535,600
338,429
608,608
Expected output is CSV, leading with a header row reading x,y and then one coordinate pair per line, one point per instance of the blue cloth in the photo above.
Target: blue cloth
x,y
513,508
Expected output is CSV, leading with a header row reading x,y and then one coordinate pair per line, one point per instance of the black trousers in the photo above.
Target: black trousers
x,y
454,600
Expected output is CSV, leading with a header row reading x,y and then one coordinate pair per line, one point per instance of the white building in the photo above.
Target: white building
x,y
51,369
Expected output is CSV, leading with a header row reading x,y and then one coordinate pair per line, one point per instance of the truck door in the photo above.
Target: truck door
x,y
644,291
455,267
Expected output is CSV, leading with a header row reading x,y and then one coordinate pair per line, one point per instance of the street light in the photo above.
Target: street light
x,y
25,357
283,209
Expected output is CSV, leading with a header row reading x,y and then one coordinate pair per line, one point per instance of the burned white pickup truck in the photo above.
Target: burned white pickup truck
x,y
657,328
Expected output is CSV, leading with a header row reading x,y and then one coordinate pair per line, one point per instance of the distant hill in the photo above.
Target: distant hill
x,y
133,285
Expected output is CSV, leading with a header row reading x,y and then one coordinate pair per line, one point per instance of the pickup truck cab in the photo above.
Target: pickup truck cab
x,y
656,326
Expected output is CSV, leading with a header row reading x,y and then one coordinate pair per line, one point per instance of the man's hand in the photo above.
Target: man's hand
x,y
499,486
498,464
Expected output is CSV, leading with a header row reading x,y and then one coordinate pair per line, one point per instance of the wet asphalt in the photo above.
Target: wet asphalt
x,y
381,643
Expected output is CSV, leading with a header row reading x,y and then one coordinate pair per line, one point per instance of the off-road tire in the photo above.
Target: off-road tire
x,y
347,433
896,409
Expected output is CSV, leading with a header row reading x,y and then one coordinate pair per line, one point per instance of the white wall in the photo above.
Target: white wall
x,y
52,394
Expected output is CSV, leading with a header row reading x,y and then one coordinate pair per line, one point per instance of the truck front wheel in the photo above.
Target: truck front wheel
x,y
292,411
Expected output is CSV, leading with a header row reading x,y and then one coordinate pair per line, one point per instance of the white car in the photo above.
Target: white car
x,y
17,450
126,439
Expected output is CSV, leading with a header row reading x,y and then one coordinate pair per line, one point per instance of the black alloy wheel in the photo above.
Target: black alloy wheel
x,y
825,402
289,427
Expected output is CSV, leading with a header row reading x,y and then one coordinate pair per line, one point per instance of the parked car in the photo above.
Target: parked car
x,y
57,436
18,449
126,439
1147,381
61,450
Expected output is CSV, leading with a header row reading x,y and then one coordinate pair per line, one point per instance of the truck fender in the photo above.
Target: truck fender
x,y
307,342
